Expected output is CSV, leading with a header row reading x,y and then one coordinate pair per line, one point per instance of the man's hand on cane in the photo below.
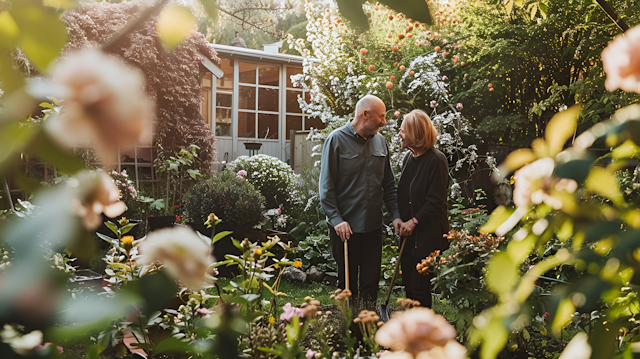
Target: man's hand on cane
x,y
343,230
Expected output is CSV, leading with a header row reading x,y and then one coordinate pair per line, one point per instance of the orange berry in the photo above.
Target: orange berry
x,y
400,36
395,64
436,49
402,67
392,78
491,89
389,84
411,73
363,51
371,67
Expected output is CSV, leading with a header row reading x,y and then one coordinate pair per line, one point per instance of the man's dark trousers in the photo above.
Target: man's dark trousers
x,y
365,255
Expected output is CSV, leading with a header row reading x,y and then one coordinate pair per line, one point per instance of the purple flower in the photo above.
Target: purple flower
x,y
290,312
310,354
459,106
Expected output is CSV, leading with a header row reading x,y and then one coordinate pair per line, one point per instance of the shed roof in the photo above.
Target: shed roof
x,y
240,52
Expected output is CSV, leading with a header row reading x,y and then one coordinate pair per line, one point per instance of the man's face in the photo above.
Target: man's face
x,y
375,118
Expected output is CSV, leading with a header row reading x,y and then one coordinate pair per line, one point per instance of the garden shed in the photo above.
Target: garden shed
x,y
254,103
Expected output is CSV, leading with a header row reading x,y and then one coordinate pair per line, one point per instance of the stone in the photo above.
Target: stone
x,y
314,275
292,274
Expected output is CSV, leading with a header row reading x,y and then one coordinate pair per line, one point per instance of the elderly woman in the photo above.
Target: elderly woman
x,y
422,198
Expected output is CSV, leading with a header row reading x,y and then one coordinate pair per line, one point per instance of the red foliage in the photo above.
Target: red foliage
x,y
173,77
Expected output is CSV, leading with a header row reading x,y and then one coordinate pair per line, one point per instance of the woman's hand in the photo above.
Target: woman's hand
x,y
407,227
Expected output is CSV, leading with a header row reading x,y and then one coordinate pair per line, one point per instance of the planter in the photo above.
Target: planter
x,y
85,278
252,146
160,222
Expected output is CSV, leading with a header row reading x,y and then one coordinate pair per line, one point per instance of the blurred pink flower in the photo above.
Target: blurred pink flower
x,y
459,106
621,62
98,195
242,173
105,104
204,311
290,312
310,354
185,256
535,182
415,330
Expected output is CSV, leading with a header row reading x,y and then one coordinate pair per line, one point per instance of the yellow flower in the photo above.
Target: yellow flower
x,y
127,242
258,252
276,266
297,264
272,320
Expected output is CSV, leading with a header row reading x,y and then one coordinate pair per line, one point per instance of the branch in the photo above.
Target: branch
x,y
243,21
118,38
621,24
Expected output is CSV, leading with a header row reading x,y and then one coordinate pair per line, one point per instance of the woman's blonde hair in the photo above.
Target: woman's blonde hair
x,y
419,130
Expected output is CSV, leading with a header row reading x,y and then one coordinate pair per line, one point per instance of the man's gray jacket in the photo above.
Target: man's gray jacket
x,y
355,177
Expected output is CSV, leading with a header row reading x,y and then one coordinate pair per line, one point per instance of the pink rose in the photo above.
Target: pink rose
x,y
621,62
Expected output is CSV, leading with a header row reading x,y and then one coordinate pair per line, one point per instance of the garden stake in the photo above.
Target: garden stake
x,y
384,309
346,268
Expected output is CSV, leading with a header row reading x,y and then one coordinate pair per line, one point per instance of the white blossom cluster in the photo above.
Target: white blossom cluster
x,y
427,77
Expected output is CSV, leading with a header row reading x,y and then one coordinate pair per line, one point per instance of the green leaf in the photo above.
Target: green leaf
x,y
172,345
498,216
561,127
221,235
563,315
416,9
544,9
42,34
509,5
10,78
174,24
112,241
50,152
352,11
127,228
112,227
502,273
9,30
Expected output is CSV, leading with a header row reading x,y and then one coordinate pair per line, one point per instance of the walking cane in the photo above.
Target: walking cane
x,y
346,268
384,309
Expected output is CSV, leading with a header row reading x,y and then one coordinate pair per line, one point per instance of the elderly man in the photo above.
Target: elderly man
x,y
355,178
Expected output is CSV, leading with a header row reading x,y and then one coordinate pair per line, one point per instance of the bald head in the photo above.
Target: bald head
x,y
370,116
369,103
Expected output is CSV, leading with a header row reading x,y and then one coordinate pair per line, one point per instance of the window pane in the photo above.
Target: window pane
x,y
223,122
268,126
268,99
223,99
247,73
314,122
226,82
269,75
206,105
293,123
145,173
127,156
247,98
292,71
145,155
247,124
292,101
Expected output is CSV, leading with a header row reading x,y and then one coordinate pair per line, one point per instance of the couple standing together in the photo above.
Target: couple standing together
x,y
356,177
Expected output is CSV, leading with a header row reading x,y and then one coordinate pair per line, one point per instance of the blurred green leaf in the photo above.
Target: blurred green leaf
x,y
561,127
563,315
174,25
10,78
61,4
577,170
42,34
626,150
5,6
415,9
211,7
13,138
514,161
172,345
498,217
9,30
501,273
50,152
352,11
601,181
157,289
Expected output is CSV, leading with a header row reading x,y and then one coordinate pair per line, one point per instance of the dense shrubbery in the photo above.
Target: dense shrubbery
x,y
232,198
272,177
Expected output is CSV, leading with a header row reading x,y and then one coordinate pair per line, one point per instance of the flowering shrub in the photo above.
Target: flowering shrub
x,y
232,199
404,63
272,177
458,272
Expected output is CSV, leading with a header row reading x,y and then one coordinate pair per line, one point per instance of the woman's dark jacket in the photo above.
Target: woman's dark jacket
x,y
422,193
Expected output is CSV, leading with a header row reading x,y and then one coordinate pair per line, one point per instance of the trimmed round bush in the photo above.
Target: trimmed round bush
x,y
232,198
272,177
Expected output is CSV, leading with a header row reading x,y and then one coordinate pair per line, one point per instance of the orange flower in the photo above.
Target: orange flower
x,y
297,264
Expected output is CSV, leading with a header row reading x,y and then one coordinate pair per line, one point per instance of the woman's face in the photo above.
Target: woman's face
x,y
404,139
